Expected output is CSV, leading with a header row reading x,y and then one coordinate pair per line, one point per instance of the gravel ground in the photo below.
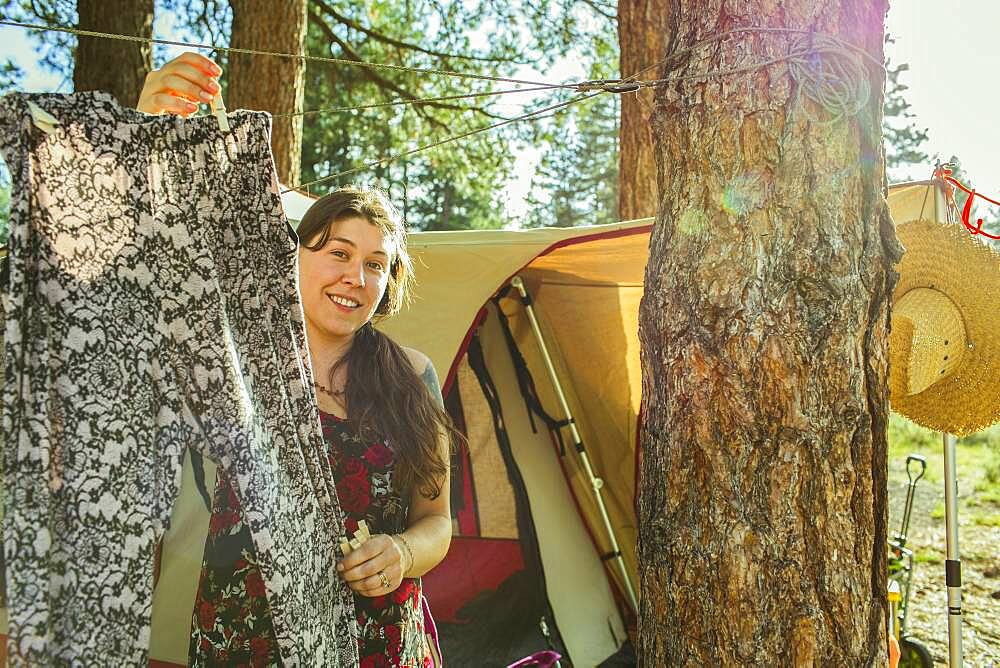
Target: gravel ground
x,y
979,548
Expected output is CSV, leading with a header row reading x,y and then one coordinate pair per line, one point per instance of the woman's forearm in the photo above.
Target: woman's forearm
x,y
428,539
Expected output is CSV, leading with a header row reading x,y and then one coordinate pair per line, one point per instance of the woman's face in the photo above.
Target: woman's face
x,y
343,282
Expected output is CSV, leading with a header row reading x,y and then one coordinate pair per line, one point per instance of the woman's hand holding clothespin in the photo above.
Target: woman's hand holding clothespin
x,y
180,86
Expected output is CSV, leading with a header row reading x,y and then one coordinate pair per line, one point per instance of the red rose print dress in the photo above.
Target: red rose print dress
x,y
231,624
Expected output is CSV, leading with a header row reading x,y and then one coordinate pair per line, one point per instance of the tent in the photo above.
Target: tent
x,y
530,565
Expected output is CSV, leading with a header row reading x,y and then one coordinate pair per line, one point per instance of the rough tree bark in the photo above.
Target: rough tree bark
x,y
270,83
642,40
762,502
110,65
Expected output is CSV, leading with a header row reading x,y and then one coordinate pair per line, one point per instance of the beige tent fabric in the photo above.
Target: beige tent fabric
x,y
586,298
457,273
916,200
586,284
495,497
599,393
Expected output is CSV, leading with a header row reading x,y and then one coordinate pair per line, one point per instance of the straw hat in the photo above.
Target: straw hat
x,y
944,347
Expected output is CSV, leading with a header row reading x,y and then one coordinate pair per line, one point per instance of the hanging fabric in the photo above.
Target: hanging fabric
x,y
153,308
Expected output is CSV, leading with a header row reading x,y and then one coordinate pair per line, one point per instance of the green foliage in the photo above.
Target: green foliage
x,y
458,185
991,473
10,78
902,137
577,178
452,187
56,50
576,182
987,520
977,466
4,206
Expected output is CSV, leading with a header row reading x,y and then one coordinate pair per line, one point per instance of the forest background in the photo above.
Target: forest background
x,y
482,182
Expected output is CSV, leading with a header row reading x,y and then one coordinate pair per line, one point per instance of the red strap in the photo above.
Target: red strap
x,y
945,175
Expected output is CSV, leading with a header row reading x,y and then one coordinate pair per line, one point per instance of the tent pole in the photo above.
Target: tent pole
x,y
953,563
595,483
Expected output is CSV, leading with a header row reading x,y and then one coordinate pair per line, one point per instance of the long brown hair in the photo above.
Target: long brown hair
x,y
385,397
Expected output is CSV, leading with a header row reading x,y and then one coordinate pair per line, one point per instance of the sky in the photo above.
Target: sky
x,y
954,60
953,88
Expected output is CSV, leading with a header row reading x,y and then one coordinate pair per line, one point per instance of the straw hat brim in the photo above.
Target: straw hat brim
x,y
946,258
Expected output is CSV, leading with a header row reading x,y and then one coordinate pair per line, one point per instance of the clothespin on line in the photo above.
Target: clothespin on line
x,y
218,108
43,120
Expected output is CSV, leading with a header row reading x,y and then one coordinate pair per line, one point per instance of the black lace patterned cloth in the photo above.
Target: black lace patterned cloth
x,y
152,308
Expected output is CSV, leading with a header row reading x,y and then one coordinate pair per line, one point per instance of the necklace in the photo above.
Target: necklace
x,y
335,394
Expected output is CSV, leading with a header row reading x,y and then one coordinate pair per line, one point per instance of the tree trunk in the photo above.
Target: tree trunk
x,y
642,40
763,327
117,67
271,83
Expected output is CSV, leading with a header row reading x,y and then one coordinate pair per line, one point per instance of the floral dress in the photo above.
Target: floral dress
x,y
231,623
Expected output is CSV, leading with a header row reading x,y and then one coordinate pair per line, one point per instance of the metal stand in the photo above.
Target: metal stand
x,y
595,482
952,564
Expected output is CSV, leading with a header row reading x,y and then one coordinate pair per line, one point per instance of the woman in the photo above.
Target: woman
x,y
382,419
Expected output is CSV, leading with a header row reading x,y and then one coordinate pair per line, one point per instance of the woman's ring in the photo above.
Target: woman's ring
x,y
383,579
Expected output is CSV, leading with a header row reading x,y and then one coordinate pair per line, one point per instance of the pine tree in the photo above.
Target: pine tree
x,y
576,182
117,67
271,84
902,137
763,332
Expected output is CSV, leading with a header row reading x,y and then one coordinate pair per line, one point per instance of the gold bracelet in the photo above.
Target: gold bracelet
x,y
409,552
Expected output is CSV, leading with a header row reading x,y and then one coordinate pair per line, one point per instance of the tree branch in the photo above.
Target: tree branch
x,y
597,8
343,20
386,84
373,76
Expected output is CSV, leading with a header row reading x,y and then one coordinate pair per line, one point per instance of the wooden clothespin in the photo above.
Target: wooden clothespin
x,y
361,536
43,120
219,109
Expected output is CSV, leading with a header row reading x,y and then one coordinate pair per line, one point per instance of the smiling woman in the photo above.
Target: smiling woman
x,y
344,270
386,436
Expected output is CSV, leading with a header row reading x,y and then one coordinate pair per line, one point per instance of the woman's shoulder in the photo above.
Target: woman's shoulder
x,y
425,370
419,360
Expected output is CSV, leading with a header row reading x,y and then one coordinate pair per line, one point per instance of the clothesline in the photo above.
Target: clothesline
x,y
532,115
830,44
840,88
837,84
421,100
279,54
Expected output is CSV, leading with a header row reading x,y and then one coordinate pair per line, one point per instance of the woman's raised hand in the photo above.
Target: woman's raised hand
x,y
178,86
